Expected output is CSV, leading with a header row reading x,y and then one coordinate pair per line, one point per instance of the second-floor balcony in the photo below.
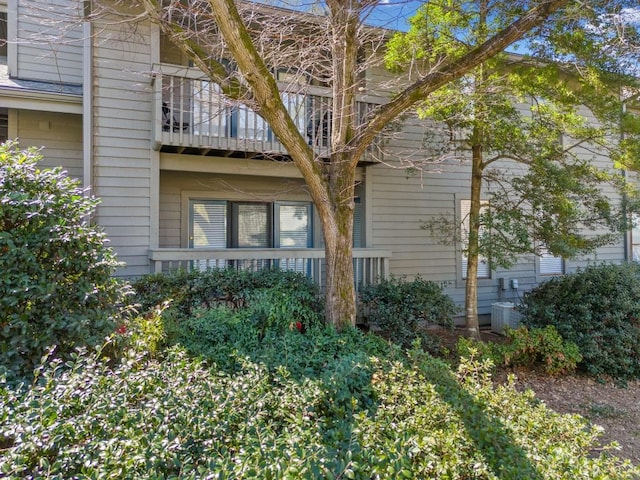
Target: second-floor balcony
x,y
192,116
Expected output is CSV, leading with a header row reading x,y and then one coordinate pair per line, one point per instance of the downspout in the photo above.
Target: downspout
x,y
87,102
12,38
627,240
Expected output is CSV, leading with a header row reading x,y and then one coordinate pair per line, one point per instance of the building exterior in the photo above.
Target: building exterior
x,y
186,179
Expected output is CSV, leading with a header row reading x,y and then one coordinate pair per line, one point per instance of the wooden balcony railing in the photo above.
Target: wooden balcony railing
x,y
190,112
369,265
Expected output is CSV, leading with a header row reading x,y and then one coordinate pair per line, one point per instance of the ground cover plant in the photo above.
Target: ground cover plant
x,y
56,287
598,309
236,399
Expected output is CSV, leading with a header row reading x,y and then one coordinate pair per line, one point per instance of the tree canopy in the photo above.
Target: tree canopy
x,y
544,133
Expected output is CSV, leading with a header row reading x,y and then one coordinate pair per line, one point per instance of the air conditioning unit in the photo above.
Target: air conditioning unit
x,y
504,314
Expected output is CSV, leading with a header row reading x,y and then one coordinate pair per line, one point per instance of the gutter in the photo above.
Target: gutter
x,y
40,101
87,102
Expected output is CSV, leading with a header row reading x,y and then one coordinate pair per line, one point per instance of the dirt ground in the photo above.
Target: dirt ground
x,y
614,408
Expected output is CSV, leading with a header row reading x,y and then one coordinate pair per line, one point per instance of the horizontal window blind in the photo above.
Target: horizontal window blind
x,y
208,224
550,265
252,225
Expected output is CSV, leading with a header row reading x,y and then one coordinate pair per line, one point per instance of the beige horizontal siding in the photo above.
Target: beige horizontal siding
x,y
59,135
401,201
50,44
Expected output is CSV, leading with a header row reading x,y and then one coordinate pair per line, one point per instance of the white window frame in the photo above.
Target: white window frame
x,y
548,264
230,222
484,266
634,239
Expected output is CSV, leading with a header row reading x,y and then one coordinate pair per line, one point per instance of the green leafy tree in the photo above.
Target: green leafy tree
x,y
56,285
533,132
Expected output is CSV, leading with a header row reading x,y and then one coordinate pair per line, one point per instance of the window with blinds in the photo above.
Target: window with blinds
x,y
357,224
222,224
484,268
251,225
550,265
208,224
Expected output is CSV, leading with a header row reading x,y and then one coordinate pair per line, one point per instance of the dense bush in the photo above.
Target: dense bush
x,y
273,296
56,287
532,348
319,405
598,309
227,338
397,307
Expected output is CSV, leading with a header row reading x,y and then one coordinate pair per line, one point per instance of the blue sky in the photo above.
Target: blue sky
x,y
393,14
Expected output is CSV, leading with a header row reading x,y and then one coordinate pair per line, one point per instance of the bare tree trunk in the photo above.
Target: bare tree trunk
x,y
340,290
338,230
336,217
477,167
471,290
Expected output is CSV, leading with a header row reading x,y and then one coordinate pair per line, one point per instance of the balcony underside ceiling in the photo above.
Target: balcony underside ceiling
x,y
249,155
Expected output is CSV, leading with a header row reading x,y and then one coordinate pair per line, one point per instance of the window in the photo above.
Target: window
x,y
169,53
550,265
357,224
223,224
484,268
635,239
294,229
208,224
4,125
3,37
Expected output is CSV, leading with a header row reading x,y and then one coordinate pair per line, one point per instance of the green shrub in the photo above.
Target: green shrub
x,y
283,296
56,287
156,289
598,309
284,300
324,405
227,338
532,348
397,307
